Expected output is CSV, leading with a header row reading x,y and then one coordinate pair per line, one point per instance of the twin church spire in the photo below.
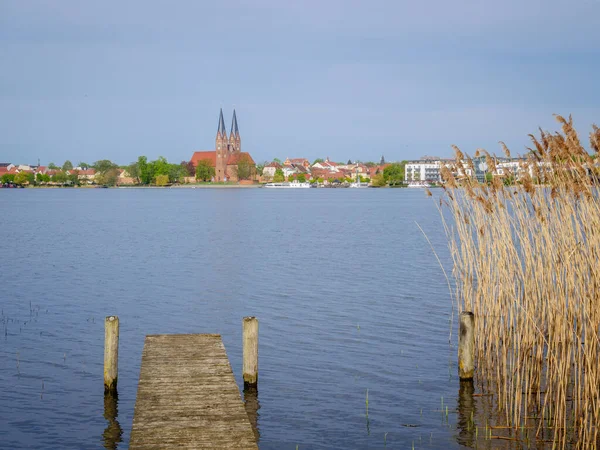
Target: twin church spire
x,y
233,144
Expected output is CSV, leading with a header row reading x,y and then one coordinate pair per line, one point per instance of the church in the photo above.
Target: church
x,y
228,156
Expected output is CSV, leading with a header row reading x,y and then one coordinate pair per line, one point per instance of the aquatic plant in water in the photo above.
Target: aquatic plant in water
x,y
526,250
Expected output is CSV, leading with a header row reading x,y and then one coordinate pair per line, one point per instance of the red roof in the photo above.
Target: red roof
x,y
200,156
235,158
3,170
274,164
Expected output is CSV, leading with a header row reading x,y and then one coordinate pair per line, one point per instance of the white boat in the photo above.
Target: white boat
x,y
419,184
359,185
288,185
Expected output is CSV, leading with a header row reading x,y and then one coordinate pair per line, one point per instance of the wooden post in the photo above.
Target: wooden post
x,y
250,341
111,353
466,346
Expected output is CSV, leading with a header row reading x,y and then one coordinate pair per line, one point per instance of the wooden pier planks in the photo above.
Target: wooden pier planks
x,y
187,396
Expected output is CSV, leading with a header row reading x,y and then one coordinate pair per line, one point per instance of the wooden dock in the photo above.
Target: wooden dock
x,y
187,396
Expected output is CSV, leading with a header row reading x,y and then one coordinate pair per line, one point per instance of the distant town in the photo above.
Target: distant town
x,y
228,164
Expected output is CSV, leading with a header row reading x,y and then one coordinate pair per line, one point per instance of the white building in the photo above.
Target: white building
x,y
423,171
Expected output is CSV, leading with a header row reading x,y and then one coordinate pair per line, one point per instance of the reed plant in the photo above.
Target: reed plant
x,y
525,248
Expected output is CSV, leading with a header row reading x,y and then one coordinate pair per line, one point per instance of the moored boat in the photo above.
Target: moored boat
x,y
288,185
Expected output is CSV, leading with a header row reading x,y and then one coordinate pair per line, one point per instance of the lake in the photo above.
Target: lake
x,y
348,292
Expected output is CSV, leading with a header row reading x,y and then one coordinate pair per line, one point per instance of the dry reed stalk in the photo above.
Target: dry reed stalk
x,y
525,262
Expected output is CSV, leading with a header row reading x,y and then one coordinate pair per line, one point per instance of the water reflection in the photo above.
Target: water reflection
x,y
252,406
466,414
113,432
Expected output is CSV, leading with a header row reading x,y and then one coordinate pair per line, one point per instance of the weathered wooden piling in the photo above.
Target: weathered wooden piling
x,y
111,353
250,352
466,346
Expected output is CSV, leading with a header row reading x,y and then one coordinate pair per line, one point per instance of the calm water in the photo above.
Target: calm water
x,y
348,293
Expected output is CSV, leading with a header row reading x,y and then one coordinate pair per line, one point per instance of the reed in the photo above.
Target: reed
x,y
526,249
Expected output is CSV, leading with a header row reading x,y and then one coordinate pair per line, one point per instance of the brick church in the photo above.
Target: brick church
x,y
227,154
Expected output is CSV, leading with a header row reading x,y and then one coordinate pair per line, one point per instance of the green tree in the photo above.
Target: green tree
x,y
301,178
278,177
84,165
204,170
22,178
104,165
133,170
8,178
68,165
394,174
53,166
277,160
318,160
176,173
59,177
245,169
146,172
378,180
73,179
320,180
162,180
39,177
160,166
108,177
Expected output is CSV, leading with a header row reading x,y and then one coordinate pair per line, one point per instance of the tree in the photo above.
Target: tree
x,y
204,170
318,160
378,181
104,165
162,180
189,168
278,177
145,170
8,178
84,165
349,162
59,177
133,170
39,177
177,172
53,166
108,177
68,165
277,160
22,178
394,174
160,166
244,169
73,179
301,178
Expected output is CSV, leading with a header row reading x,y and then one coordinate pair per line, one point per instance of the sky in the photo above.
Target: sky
x,y
343,79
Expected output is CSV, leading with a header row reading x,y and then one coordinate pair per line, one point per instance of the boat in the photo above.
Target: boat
x,y
359,185
419,184
288,185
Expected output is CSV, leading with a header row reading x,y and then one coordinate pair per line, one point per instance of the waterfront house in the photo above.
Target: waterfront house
x,y
296,162
270,169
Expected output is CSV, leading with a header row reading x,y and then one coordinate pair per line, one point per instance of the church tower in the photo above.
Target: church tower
x,y
235,142
221,149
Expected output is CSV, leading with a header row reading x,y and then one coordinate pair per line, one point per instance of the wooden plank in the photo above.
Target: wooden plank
x,y
187,396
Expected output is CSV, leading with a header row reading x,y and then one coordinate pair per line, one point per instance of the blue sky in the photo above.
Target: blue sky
x,y
345,79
